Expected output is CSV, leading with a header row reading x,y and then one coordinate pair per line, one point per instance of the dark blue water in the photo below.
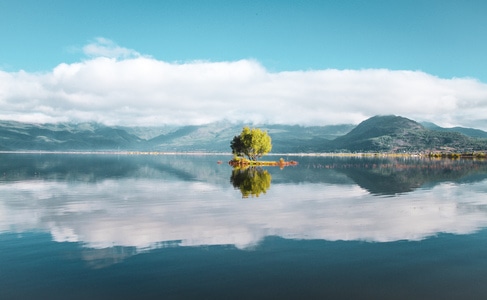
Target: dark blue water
x,y
185,227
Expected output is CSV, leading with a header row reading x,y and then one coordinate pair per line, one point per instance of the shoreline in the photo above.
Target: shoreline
x,y
432,154
244,163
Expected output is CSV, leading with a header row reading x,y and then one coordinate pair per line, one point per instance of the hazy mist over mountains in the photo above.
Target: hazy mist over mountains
x,y
379,133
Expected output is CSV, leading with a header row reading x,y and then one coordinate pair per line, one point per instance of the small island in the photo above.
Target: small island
x,y
239,162
249,146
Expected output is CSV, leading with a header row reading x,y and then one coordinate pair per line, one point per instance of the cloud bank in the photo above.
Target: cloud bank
x,y
116,85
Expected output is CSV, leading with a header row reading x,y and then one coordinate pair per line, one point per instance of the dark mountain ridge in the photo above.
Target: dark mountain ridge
x,y
378,133
398,134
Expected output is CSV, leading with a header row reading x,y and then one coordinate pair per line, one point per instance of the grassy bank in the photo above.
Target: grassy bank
x,y
243,162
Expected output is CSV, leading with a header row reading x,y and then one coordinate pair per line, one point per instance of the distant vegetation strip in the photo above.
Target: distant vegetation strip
x,y
115,152
479,154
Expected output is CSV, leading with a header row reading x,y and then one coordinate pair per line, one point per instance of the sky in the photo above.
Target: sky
x,y
151,63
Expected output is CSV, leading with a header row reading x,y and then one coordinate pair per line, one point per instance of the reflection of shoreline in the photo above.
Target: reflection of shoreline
x,y
401,165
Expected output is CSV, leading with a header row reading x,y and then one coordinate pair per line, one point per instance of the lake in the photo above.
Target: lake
x,y
100,226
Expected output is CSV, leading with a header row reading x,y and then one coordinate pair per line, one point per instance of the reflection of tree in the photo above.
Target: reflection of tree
x,y
251,181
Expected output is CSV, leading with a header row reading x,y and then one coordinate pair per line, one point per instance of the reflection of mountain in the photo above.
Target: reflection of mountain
x,y
384,175
251,181
405,175
93,168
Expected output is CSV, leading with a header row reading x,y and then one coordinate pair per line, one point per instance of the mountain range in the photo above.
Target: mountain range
x,y
377,134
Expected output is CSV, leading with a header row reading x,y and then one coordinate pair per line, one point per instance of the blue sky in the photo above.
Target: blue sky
x,y
443,39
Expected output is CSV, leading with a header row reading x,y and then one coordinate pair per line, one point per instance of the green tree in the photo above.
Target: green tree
x,y
253,143
237,146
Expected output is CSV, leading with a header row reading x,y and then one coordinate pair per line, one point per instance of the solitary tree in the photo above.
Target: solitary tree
x,y
253,143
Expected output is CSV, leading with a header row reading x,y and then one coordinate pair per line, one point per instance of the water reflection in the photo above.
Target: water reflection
x,y
251,181
141,204
391,176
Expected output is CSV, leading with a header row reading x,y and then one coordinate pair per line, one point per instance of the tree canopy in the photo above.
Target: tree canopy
x,y
253,143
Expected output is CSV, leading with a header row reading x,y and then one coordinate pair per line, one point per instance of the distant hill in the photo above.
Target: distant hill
x,y
471,132
379,133
214,137
217,137
398,134
66,137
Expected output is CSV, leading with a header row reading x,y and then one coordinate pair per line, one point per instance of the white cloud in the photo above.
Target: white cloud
x,y
107,48
120,86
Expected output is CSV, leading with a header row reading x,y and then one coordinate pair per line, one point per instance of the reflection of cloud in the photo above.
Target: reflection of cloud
x,y
146,214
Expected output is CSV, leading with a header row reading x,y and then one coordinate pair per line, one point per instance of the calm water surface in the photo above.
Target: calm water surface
x,y
186,227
